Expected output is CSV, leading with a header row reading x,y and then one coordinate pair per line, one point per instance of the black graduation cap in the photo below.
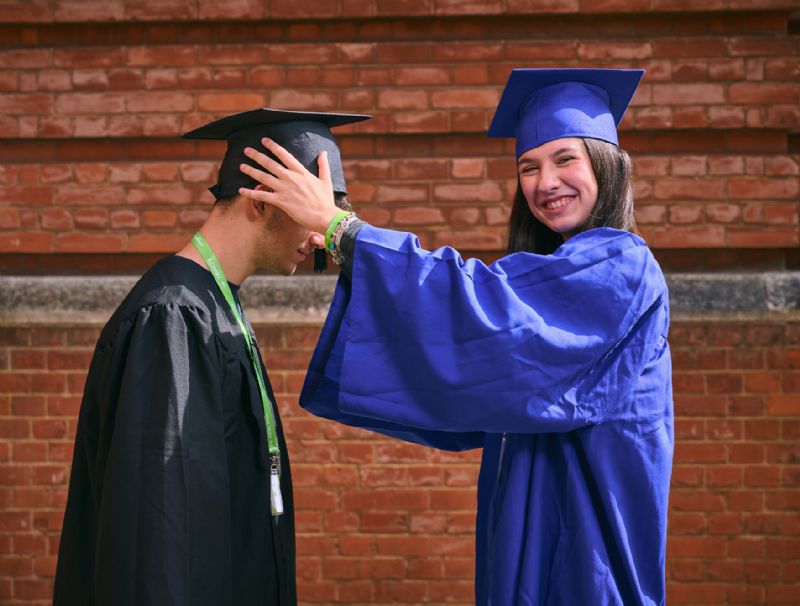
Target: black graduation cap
x,y
303,134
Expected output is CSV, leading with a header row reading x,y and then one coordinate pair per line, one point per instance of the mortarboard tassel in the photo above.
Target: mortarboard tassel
x,y
320,260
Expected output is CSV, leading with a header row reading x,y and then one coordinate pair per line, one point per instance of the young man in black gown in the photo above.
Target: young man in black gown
x,y
181,489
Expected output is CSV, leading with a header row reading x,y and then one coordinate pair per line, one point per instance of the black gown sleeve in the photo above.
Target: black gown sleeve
x,y
151,447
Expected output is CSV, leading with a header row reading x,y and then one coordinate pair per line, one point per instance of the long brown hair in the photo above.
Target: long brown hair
x,y
614,206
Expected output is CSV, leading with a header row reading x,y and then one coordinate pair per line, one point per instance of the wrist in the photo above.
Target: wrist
x,y
326,218
332,225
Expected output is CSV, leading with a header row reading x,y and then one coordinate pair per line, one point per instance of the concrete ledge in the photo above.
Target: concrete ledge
x,y
734,296
90,300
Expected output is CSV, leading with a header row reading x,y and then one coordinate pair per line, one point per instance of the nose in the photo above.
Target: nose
x,y
548,179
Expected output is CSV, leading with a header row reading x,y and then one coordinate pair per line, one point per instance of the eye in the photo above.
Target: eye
x,y
528,169
564,159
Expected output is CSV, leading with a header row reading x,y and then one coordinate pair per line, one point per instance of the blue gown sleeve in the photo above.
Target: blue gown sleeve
x,y
532,343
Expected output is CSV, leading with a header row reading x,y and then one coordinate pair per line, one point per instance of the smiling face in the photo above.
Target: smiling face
x,y
559,184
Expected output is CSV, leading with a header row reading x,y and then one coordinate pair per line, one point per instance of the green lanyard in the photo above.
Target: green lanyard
x,y
269,420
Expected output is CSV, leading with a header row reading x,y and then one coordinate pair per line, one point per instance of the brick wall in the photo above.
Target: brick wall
x,y
90,113
381,521
93,179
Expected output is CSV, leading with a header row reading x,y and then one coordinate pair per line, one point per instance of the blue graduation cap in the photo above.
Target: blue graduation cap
x,y
303,134
539,105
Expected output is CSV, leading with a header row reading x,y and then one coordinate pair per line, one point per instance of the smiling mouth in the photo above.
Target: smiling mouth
x,y
557,203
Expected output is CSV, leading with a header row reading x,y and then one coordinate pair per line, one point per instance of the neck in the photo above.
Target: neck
x,y
233,253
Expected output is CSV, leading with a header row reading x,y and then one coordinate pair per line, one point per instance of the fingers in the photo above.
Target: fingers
x,y
261,195
324,167
276,168
289,161
263,177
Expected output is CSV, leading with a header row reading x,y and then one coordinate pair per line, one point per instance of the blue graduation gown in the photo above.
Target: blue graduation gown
x,y
557,365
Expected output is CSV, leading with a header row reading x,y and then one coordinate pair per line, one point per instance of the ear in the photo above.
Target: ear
x,y
258,209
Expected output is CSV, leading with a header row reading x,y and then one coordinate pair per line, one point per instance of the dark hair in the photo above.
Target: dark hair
x,y
614,207
341,200
226,203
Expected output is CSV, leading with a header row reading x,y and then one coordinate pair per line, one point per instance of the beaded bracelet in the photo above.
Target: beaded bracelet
x,y
336,238
332,226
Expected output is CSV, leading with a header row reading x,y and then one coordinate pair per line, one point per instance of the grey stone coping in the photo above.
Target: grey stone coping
x,y
90,300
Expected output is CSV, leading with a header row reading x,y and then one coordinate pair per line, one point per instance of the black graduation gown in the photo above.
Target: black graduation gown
x,y
169,494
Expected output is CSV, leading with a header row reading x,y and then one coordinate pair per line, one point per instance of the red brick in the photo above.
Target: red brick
x,y
470,75
160,10
9,218
534,50
25,58
234,54
89,10
400,591
54,80
464,97
687,570
783,404
155,195
90,103
233,9
21,242
316,101
402,193
723,213
472,239
685,213
724,69
160,56
403,99
56,219
418,216
604,51
380,522
542,6
414,122
28,359
421,76
486,191
301,54
763,93
88,242
682,237
159,218
726,117
91,218
121,219
155,79
689,189
29,452
762,189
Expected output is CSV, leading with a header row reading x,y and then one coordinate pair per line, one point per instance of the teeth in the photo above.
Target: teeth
x,y
558,203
